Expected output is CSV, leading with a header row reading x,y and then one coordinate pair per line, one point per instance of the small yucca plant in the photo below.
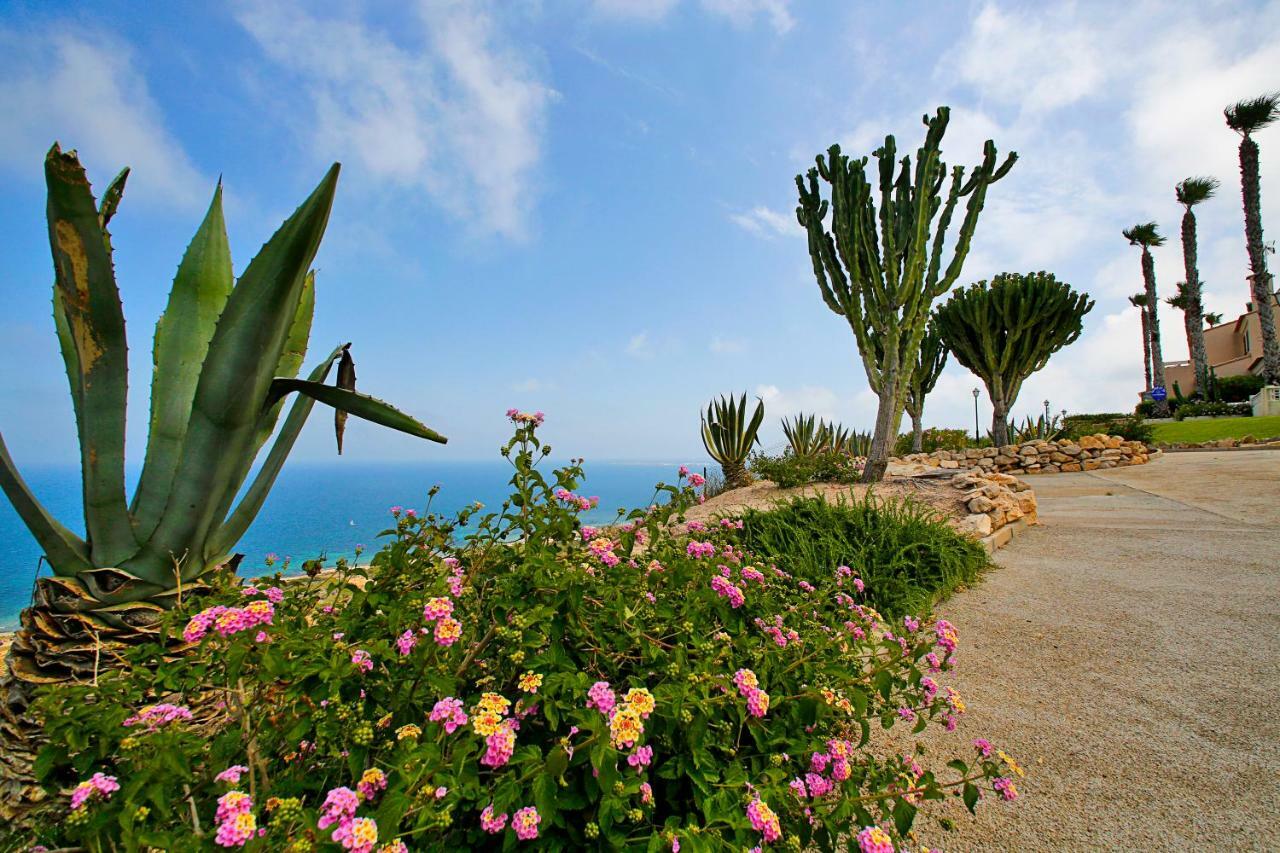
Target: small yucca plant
x,y
728,436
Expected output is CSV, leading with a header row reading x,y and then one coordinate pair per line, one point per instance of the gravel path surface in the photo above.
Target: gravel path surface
x,y
1127,652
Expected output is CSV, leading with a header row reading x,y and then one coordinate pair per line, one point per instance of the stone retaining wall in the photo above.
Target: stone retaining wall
x,y
998,504
1087,453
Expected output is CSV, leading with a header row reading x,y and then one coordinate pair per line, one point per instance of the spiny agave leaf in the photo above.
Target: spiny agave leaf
x,y
200,290
226,536
66,552
95,321
361,405
245,350
111,198
346,381
70,359
295,349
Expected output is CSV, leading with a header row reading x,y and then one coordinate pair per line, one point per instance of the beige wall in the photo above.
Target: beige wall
x,y
1233,348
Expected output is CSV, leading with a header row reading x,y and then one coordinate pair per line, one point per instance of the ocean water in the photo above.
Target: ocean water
x,y
321,509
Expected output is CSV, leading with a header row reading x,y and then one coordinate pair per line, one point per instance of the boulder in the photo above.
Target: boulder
x,y
1070,466
1071,449
981,503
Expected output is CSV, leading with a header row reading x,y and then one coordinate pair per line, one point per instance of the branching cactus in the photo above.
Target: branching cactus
x,y
728,436
880,262
929,364
226,355
1006,331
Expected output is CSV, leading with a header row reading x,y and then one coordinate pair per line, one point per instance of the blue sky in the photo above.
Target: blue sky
x,y
587,207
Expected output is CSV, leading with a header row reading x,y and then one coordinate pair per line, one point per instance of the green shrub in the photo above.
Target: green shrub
x,y
907,554
823,466
1238,389
1215,410
933,439
1128,427
617,688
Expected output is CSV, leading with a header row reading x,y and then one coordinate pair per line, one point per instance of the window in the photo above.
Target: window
x,y
1247,348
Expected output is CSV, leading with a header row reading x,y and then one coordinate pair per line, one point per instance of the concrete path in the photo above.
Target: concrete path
x,y
1127,652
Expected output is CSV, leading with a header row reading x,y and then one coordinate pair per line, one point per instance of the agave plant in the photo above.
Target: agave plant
x,y
226,356
729,437
834,437
804,434
1033,429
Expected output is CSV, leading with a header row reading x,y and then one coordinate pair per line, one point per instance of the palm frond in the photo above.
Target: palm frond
x,y
1181,300
1212,319
1244,117
1145,234
1192,191
1138,300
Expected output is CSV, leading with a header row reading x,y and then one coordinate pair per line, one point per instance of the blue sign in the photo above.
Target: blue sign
x,y
1159,394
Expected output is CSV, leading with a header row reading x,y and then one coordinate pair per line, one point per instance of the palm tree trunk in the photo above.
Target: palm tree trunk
x,y
1260,280
1194,312
1146,347
1161,409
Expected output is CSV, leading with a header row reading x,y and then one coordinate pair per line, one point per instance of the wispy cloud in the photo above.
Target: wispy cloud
x,y
639,345
726,345
83,89
767,222
462,113
740,13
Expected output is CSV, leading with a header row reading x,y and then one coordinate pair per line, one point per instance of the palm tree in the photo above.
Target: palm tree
x,y
1244,118
1182,301
1146,235
1189,193
1211,319
1139,301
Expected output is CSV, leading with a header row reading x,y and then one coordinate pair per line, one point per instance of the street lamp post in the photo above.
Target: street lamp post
x,y
976,438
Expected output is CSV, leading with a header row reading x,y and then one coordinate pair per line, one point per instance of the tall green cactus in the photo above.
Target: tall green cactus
x,y
880,264
928,367
1006,331
226,354
728,436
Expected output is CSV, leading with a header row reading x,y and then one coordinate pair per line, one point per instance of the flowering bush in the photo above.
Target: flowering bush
x,y
500,679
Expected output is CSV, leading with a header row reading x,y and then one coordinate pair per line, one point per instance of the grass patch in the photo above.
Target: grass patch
x,y
905,552
1217,428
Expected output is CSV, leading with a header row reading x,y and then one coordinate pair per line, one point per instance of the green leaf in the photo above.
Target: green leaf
x,y
183,332
355,403
904,814
95,320
557,762
970,796
238,369
959,766
67,553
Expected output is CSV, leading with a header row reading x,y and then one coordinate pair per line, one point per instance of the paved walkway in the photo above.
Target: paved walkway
x,y
1127,651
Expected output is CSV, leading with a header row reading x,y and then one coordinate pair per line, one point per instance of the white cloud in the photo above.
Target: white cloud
x,y
644,10
767,222
810,399
461,114
726,345
639,345
740,13
84,90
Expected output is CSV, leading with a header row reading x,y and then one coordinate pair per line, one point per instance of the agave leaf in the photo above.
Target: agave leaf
x,y
346,381
95,321
200,290
67,553
245,350
70,359
295,349
229,533
111,198
360,405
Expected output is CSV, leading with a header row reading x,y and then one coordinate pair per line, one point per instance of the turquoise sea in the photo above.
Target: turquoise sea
x,y
322,509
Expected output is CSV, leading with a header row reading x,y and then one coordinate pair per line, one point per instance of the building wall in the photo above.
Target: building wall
x,y
1233,349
